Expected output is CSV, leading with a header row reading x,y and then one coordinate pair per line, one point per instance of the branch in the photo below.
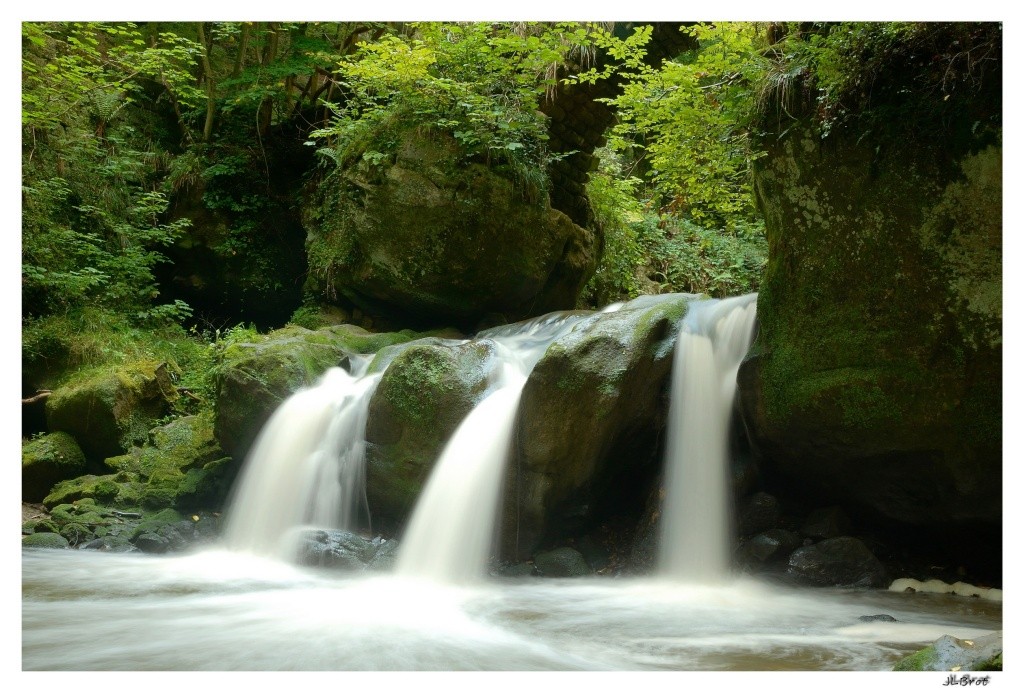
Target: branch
x,y
40,394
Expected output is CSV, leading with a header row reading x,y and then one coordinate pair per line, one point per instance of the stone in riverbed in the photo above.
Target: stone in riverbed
x,y
842,561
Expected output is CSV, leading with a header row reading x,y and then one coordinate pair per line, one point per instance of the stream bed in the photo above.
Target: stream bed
x,y
222,611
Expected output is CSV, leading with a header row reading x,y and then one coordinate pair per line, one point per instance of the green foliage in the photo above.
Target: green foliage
x,y
690,119
92,207
481,83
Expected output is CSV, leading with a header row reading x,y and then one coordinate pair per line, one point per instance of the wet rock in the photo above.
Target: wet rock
x,y
334,548
952,654
589,423
517,570
113,544
768,547
826,523
886,618
758,513
386,555
427,390
255,377
561,562
842,561
47,460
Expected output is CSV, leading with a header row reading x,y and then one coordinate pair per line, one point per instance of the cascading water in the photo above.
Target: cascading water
x,y
713,338
449,535
306,467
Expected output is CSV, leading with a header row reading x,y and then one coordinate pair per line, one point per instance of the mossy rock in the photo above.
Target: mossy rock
x,y
590,418
108,411
425,393
181,467
983,653
875,380
44,540
255,377
432,238
45,461
106,488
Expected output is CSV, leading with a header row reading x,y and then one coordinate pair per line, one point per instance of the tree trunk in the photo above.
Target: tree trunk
x,y
211,103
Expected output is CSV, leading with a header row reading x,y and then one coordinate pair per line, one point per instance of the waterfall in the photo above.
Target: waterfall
x,y
306,467
696,517
449,535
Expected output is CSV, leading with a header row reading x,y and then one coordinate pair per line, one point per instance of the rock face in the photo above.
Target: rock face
x,y
436,240
45,461
427,390
589,422
108,412
875,378
842,561
254,378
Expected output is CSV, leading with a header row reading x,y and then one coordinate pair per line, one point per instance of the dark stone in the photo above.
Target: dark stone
x,y
887,401
561,562
878,617
515,570
826,523
758,513
842,562
591,415
334,548
773,545
432,239
151,542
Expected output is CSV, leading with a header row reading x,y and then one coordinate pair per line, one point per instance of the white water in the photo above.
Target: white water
x,y
452,527
219,611
306,467
696,516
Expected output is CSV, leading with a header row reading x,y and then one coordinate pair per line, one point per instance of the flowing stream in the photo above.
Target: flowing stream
x,y
246,606
86,610
695,525
306,467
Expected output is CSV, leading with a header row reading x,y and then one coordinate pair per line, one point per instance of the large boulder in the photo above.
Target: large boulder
x,y
109,411
842,561
253,378
434,239
875,380
589,423
45,461
427,390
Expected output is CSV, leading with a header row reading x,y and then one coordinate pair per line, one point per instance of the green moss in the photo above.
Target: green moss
x,y
44,540
921,660
47,460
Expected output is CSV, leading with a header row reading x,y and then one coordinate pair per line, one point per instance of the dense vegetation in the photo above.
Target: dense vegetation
x,y
147,142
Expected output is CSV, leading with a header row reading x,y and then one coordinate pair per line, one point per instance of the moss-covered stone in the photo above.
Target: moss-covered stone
x,y
44,540
426,391
108,411
255,377
590,417
435,239
181,467
984,653
47,460
875,378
